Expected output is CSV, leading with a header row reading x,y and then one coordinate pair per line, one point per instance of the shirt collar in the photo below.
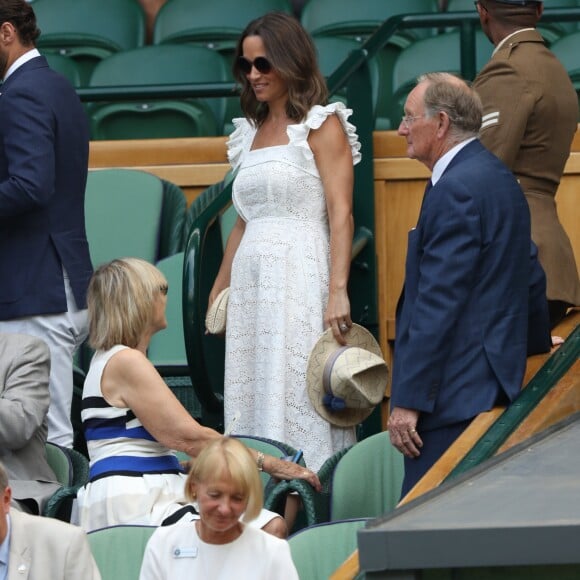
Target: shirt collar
x,y
5,552
508,37
446,159
33,53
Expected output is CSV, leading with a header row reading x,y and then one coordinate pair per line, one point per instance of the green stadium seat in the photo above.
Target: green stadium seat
x,y
123,209
360,20
72,472
333,50
215,24
167,347
317,551
119,550
130,213
551,31
156,212
90,30
439,53
342,496
166,118
66,66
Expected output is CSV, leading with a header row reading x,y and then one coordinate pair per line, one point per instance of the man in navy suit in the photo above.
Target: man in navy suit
x,y
44,257
462,321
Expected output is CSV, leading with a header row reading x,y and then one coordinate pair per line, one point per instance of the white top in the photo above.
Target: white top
x,y
177,552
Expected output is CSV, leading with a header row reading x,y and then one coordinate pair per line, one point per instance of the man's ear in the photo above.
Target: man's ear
x,y
7,32
5,498
443,124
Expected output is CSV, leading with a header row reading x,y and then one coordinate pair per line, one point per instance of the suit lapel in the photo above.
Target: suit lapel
x,y
20,557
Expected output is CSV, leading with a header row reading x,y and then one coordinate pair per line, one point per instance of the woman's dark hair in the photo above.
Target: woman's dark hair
x,y
293,56
20,14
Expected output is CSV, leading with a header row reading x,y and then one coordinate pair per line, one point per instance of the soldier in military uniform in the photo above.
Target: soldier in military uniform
x,y
529,119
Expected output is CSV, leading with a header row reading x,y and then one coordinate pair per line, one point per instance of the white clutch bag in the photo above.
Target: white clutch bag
x,y
215,318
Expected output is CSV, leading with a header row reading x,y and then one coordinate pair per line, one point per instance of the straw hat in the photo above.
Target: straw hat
x,y
215,318
346,383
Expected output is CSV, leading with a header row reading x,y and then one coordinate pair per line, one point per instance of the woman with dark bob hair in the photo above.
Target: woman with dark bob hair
x,y
225,487
132,420
287,259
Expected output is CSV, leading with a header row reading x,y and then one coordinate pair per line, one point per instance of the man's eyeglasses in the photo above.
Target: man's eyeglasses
x,y
164,289
261,64
408,120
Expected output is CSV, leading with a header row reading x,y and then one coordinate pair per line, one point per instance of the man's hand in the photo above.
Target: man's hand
x,y
402,427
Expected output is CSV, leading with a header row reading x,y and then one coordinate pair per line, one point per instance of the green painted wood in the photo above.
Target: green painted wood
x,y
542,382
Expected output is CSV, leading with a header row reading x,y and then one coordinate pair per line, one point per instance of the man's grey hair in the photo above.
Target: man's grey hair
x,y
451,95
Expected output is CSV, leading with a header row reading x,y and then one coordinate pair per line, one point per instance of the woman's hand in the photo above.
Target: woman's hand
x,y
280,469
337,315
214,294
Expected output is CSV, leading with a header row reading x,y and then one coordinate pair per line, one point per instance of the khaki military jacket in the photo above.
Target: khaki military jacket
x,y
530,115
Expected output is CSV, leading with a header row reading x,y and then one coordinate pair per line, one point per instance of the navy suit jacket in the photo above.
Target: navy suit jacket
x,y
44,141
462,323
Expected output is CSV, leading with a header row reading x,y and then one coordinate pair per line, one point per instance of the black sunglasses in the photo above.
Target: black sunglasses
x,y
261,64
164,289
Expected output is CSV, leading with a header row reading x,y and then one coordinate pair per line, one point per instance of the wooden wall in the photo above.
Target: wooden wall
x,y
399,185
193,164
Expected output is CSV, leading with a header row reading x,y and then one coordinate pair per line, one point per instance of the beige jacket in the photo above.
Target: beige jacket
x,y
47,549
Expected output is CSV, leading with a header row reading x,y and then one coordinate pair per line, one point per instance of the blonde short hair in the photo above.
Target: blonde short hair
x,y
120,301
228,459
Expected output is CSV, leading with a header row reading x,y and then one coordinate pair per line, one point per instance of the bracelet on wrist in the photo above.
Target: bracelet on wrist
x,y
260,461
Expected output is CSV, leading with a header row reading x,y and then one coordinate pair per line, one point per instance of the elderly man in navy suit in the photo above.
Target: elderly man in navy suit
x,y
44,256
462,321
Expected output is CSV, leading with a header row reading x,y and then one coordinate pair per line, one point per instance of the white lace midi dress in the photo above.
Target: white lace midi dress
x,y
279,288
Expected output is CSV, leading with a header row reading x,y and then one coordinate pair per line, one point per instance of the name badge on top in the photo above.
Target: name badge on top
x,y
185,552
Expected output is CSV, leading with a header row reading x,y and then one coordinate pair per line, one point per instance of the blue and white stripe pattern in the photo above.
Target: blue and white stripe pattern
x,y
117,442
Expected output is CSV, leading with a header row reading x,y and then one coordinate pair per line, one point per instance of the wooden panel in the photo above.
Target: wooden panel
x,y
398,203
194,164
561,402
399,185
568,205
157,151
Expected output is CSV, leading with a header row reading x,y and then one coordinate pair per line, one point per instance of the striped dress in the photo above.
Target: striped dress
x,y
134,479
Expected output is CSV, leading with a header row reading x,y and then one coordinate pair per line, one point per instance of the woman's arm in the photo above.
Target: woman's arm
x,y
333,158
130,380
223,276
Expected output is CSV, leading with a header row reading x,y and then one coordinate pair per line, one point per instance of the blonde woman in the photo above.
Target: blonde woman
x,y
132,420
227,491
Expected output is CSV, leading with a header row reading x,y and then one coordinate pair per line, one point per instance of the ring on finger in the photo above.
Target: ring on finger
x,y
343,327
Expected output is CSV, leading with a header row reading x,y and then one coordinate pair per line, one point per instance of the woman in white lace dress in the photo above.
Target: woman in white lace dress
x,y
287,259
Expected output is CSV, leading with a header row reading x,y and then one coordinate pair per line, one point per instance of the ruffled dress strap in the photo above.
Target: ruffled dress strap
x,y
298,134
239,141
